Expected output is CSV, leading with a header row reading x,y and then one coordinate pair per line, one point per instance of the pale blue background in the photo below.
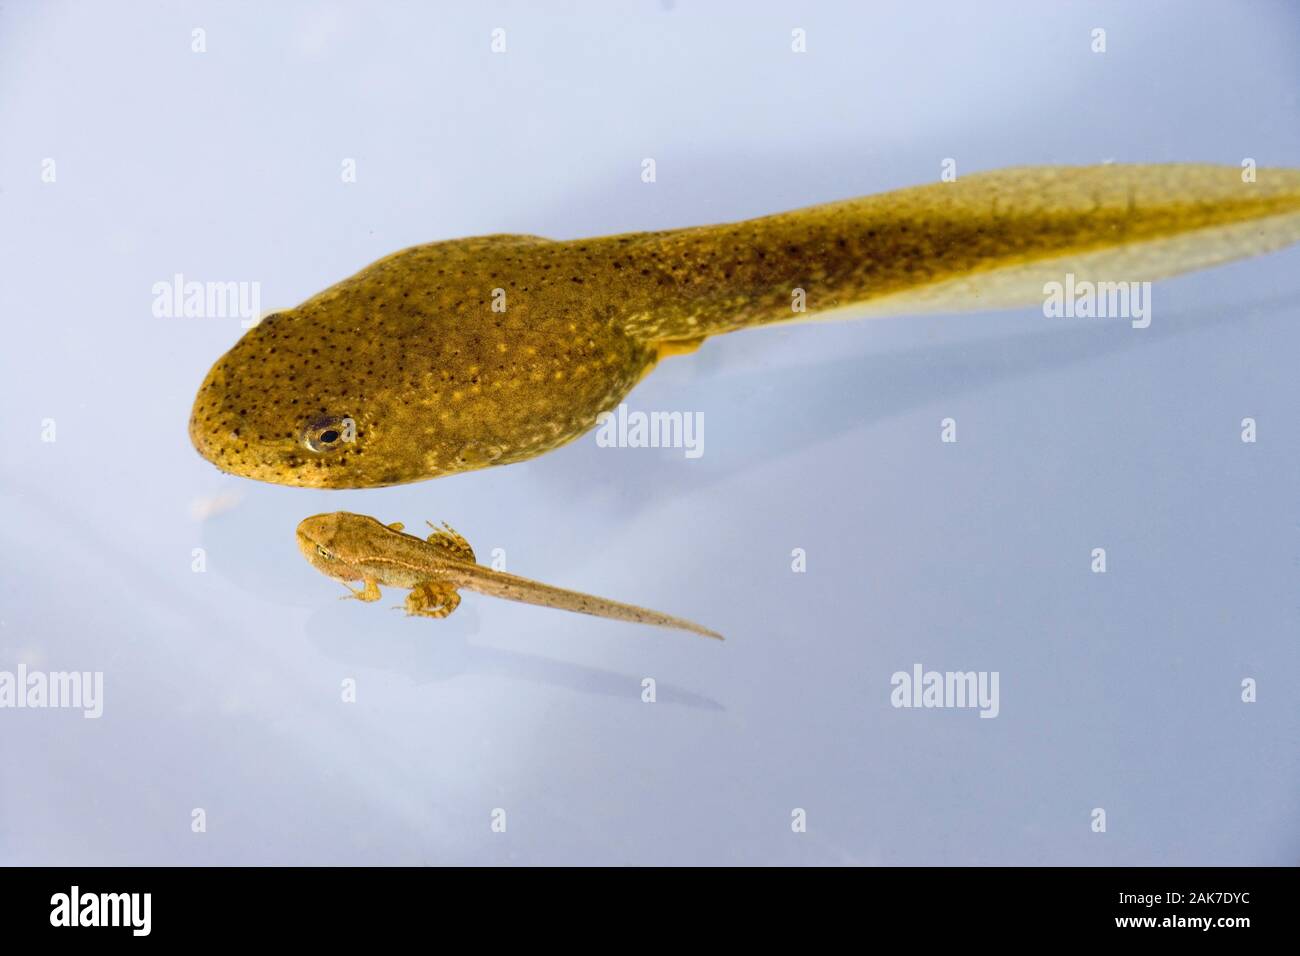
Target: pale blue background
x,y
222,689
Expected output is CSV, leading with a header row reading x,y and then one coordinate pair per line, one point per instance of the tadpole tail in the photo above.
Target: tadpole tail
x,y
986,240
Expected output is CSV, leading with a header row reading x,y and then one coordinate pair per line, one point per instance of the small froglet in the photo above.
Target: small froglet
x,y
352,547
457,355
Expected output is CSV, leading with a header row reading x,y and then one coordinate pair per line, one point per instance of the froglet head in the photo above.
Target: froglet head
x,y
322,537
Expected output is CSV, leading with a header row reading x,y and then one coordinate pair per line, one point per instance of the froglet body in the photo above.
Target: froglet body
x,y
351,547
457,355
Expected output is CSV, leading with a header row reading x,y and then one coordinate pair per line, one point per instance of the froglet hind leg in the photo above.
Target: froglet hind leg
x,y
432,599
447,539
368,593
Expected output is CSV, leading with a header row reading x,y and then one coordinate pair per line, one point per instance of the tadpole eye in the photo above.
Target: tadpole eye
x,y
328,433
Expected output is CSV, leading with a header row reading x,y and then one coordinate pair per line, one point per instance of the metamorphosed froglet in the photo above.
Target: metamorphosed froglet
x,y
353,547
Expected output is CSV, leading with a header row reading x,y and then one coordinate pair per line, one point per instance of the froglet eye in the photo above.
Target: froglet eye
x,y
327,434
